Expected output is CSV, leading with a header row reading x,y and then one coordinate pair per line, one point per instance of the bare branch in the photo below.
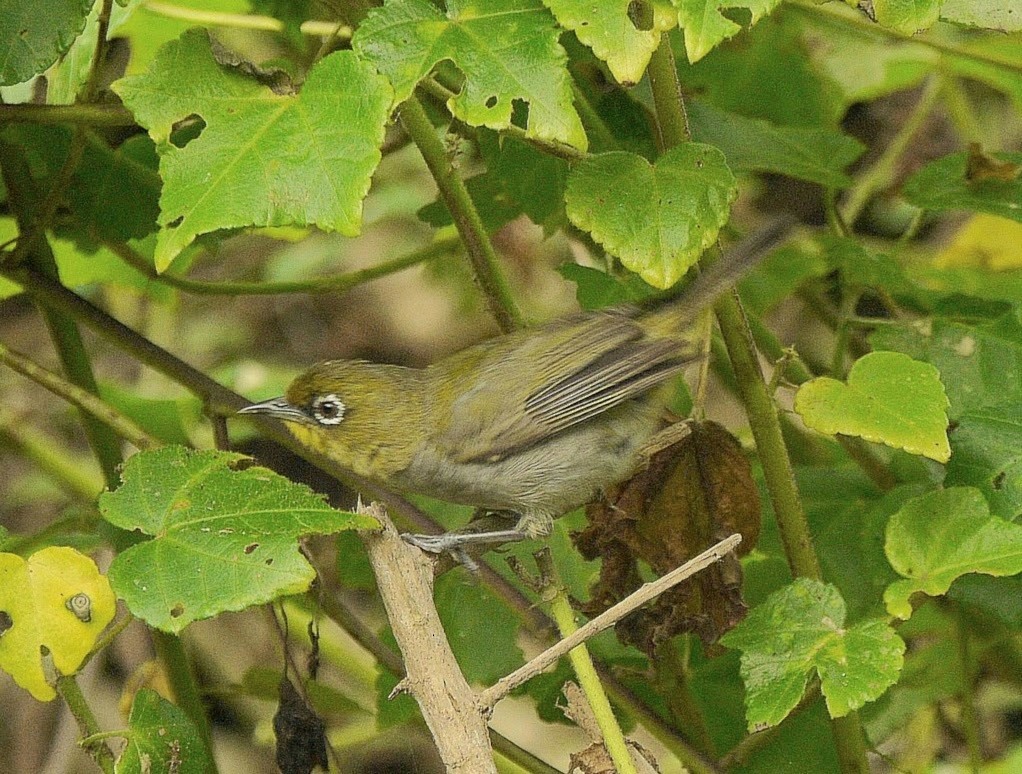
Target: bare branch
x,y
456,719
607,618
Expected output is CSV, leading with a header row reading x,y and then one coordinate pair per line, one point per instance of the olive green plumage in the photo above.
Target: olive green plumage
x,y
535,422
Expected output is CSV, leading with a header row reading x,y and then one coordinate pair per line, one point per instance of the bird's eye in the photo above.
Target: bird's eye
x,y
328,409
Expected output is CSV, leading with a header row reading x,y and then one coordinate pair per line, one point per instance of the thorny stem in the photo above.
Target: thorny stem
x,y
69,690
582,663
481,253
760,408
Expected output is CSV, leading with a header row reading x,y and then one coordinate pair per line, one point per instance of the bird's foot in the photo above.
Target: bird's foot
x,y
457,543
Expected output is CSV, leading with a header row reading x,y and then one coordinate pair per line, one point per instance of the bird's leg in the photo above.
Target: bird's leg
x,y
478,532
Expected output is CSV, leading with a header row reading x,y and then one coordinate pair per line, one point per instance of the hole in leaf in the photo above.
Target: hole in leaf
x,y
269,561
22,34
176,222
186,130
999,480
491,101
177,611
640,15
251,547
740,16
6,622
520,113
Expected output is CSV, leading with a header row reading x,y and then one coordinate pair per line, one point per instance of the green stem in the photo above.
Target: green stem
x,y
672,119
582,663
760,408
81,399
91,87
452,189
752,389
78,480
841,16
335,284
970,718
171,653
672,677
883,173
770,447
243,21
33,218
86,115
68,689
597,130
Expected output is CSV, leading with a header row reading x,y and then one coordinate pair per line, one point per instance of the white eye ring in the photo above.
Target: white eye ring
x,y
328,409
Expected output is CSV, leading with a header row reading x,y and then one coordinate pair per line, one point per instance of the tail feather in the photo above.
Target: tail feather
x,y
687,305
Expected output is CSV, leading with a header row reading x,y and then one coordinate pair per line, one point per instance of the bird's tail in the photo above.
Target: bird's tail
x,y
678,309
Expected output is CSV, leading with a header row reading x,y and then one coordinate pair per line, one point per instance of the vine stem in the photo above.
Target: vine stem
x,y
883,172
69,690
335,284
455,195
325,29
76,396
582,664
764,419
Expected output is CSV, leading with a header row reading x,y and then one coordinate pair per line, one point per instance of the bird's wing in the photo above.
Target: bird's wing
x,y
533,387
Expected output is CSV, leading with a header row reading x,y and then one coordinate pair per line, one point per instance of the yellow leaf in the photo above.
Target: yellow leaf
x,y
985,241
57,599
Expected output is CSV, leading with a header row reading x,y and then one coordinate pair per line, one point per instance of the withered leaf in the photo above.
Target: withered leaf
x,y
691,495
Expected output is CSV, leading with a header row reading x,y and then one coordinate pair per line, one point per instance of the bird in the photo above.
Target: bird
x,y
530,424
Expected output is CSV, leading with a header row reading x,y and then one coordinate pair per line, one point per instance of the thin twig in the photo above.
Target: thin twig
x,y
78,397
608,618
330,284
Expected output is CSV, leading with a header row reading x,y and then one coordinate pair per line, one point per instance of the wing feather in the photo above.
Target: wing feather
x,y
533,389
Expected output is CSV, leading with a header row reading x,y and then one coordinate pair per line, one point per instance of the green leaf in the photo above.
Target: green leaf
x,y
657,218
801,628
534,180
889,398
986,452
261,159
980,364
907,16
33,35
807,153
353,568
608,29
481,628
162,418
223,539
55,599
596,289
943,185
942,535
161,738
779,275
65,79
495,208
113,193
506,49
987,14
706,27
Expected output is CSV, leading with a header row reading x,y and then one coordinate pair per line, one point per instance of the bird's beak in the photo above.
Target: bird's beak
x,y
278,408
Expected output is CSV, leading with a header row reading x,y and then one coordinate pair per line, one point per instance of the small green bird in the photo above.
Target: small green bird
x,y
535,422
